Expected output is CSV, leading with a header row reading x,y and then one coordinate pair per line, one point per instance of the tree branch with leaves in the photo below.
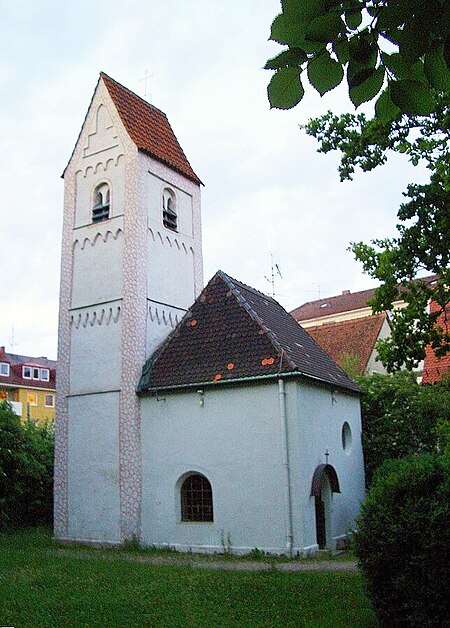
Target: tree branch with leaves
x,y
397,52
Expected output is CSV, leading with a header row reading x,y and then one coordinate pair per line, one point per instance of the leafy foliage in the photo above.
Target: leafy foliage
x,y
403,541
397,51
423,242
400,417
350,363
26,471
330,38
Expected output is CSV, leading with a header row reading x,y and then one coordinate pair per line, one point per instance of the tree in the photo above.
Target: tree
x,y
26,471
326,36
400,417
403,540
398,51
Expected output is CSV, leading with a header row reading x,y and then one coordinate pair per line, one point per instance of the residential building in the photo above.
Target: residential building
x,y
434,368
29,385
344,326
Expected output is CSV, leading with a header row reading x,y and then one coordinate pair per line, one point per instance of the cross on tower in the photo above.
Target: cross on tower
x,y
144,80
327,453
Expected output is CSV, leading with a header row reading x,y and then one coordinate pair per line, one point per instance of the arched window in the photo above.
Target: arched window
x,y
170,219
100,209
196,499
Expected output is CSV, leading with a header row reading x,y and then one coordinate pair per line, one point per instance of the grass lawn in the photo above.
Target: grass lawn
x,y
39,588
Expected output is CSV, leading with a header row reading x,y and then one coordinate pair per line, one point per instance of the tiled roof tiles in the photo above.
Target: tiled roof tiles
x,y
149,128
235,324
352,337
345,302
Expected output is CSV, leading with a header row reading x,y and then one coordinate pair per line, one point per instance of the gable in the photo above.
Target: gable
x,y
233,332
101,135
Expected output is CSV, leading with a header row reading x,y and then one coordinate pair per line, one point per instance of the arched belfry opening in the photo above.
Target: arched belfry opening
x,y
324,483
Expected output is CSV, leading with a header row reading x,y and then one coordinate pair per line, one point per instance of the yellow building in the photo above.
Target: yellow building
x,y
28,384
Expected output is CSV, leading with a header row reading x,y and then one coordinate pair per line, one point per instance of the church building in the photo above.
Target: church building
x,y
196,418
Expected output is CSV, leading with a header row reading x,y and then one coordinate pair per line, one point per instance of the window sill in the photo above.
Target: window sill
x,y
195,523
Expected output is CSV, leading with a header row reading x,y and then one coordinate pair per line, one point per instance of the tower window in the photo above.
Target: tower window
x,y
100,210
170,219
196,499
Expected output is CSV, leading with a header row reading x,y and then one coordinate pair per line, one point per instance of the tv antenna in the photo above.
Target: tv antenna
x,y
12,339
274,270
317,290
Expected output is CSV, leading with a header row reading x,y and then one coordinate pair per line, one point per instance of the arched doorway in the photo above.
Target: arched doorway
x,y
324,483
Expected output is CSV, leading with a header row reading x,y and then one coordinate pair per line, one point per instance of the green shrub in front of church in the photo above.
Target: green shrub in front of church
x,y
26,471
403,541
400,417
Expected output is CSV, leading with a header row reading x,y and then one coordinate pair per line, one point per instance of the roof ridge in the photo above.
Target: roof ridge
x,y
336,296
247,287
356,319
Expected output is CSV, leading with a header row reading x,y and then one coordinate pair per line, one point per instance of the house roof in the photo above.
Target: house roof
x,y
354,337
16,362
149,128
345,302
332,305
434,368
233,332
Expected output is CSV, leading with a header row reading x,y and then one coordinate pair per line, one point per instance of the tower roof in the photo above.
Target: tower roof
x,y
149,128
233,332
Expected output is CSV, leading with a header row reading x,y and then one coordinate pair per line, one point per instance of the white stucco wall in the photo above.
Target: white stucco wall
x,y
321,415
93,469
97,264
96,360
174,258
235,441
373,364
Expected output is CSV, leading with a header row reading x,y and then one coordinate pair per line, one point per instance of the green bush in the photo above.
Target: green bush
x,y
403,541
400,417
26,471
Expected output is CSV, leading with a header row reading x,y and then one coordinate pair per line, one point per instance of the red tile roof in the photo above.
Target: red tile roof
x,y
345,302
332,305
354,337
232,332
149,128
434,368
16,362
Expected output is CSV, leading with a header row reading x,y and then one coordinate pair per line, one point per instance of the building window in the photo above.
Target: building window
x,y
3,395
100,209
347,438
32,399
26,372
49,401
196,499
4,369
170,220
36,373
45,375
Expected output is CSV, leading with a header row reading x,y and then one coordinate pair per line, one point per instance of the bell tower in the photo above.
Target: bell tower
x,y
131,265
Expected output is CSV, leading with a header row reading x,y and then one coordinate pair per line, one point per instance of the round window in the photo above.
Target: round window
x,y
347,438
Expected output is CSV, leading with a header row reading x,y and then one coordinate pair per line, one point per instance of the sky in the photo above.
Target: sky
x,y
267,190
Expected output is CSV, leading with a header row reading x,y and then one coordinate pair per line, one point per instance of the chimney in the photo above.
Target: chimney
x,y
345,291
